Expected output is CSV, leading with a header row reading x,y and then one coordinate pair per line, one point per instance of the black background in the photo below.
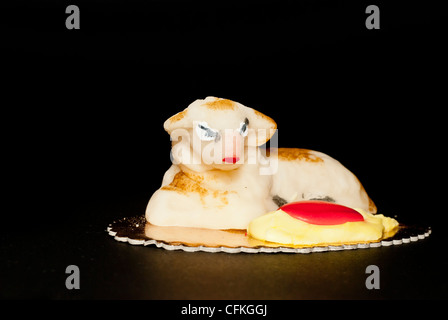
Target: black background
x,y
83,142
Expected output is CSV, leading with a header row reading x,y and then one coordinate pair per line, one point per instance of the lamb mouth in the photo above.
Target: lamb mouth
x,y
231,160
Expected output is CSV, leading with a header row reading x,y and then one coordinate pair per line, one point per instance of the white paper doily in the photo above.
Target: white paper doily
x,y
137,231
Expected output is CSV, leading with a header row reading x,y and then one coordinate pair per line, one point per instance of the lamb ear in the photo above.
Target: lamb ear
x,y
179,120
262,126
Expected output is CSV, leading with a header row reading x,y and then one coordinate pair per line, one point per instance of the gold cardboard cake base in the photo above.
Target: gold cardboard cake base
x,y
137,231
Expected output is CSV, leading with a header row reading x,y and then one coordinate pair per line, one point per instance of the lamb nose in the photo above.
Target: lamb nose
x,y
230,160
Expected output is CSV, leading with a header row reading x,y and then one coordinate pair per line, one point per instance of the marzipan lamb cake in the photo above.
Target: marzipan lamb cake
x,y
225,191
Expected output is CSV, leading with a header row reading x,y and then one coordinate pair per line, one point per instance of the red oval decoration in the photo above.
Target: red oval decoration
x,y
321,212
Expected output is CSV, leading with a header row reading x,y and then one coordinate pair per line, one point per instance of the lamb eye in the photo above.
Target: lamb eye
x,y
205,133
243,127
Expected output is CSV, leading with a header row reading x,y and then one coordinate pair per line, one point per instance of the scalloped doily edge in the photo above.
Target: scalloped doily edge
x,y
160,244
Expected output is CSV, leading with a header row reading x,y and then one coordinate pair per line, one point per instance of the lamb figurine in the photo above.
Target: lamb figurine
x,y
221,179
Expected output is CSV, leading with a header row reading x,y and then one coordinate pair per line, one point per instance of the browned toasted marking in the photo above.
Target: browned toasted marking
x,y
291,154
193,176
222,195
178,116
220,104
184,182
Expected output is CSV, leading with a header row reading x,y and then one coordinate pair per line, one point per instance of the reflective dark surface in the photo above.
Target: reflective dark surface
x,y
37,256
